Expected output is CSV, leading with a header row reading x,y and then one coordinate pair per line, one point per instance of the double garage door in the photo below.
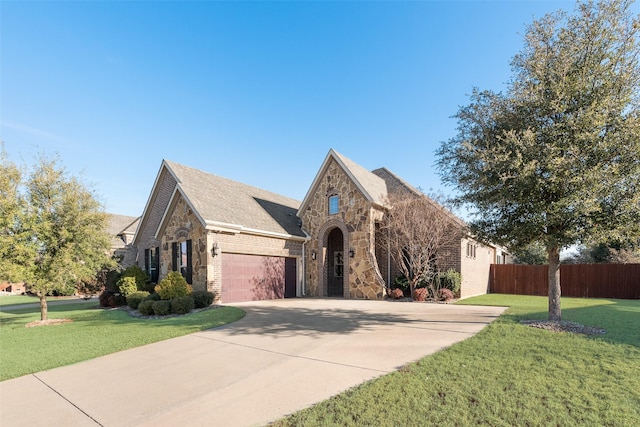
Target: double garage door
x,y
253,277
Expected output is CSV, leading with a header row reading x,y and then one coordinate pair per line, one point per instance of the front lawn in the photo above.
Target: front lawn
x,y
509,374
94,332
18,299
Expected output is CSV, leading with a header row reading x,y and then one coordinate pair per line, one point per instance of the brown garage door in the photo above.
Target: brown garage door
x,y
252,277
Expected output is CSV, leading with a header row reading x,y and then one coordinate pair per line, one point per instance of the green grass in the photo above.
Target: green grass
x,y
6,300
18,299
94,332
509,375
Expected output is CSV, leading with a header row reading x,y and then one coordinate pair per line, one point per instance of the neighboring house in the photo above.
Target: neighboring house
x,y
122,228
245,243
12,288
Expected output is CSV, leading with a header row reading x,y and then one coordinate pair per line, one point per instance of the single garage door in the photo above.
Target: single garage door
x,y
253,277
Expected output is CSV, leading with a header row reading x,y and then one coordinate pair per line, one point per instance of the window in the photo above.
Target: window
x,y
471,250
152,263
181,257
334,204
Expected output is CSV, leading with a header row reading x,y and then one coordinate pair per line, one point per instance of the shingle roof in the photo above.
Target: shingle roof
x,y
121,223
221,200
374,186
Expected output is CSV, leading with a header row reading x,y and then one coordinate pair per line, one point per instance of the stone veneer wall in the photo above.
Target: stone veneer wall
x,y
358,217
183,225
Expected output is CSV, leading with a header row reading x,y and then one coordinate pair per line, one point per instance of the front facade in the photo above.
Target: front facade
x,y
244,243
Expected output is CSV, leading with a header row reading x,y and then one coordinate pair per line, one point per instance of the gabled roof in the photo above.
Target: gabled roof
x,y
372,187
227,205
119,224
396,185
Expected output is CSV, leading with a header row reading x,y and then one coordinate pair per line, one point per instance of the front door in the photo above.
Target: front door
x,y
335,264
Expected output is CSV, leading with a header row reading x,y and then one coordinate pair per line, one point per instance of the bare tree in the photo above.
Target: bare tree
x,y
419,233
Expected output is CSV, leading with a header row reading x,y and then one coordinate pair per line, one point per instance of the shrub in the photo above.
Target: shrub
x,y
146,308
397,293
153,297
104,298
173,286
141,278
134,299
202,299
127,285
161,308
402,283
117,300
420,294
450,280
182,305
445,295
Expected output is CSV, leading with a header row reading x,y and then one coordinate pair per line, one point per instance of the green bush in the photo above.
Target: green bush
x,y
173,286
153,297
146,308
450,280
161,308
142,279
182,305
202,299
117,300
127,286
134,299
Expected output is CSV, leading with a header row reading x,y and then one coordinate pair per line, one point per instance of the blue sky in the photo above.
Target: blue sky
x,y
253,91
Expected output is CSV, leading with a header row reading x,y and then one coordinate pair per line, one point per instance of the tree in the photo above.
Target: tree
x,y
14,243
534,253
557,158
418,232
57,227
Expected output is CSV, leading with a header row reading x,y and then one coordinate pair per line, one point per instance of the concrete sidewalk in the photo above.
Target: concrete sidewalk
x,y
283,356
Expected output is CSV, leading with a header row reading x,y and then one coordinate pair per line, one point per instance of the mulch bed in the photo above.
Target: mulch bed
x,y
563,326
49,322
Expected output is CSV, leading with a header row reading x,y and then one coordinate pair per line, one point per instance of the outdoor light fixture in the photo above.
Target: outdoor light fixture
x,y
313,255
352,253
214,249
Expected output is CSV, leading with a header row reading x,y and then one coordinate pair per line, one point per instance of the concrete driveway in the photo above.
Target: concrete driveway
x,y
283,356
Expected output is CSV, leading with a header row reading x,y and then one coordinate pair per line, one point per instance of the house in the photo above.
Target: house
x,y
245,243
122,229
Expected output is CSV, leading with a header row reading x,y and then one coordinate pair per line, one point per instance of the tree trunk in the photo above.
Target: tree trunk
x,y
554,284
43,307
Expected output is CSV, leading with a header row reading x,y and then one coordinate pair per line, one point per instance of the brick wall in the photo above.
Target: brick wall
x,y
475,271
149,224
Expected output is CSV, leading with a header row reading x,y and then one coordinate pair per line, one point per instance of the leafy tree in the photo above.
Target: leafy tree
x,y
534,253
418,232
55,228
556,159
15,248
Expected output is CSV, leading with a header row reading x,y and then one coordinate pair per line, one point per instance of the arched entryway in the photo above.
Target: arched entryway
x,y
335,263
333,268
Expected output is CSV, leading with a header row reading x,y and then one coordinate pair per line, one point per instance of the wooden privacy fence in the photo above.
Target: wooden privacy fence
x,y
576,280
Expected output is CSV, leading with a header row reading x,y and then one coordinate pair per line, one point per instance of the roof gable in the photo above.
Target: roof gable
x,y
372,187
221,203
